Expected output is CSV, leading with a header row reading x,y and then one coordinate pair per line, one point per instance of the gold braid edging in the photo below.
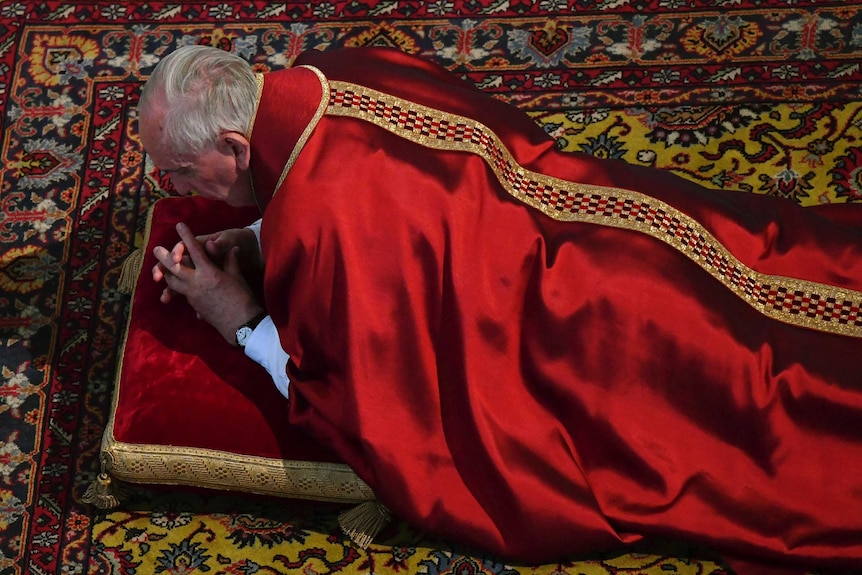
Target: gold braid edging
x,y
156,464
794,301
309,129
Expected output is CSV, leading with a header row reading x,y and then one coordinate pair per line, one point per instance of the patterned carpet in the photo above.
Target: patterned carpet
x,y
759,96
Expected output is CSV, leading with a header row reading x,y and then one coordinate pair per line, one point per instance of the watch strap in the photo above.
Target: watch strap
x,y
250,325
255,321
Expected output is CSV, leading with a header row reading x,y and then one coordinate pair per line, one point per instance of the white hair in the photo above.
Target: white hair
x,y
208,91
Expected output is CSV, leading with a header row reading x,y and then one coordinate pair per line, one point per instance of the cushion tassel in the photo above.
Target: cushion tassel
x,y
130,271
363,522
103,493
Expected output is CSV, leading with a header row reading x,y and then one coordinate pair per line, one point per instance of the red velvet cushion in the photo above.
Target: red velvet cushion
x,y
180,383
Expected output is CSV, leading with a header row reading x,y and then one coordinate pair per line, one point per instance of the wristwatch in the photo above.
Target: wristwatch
x,y
244,331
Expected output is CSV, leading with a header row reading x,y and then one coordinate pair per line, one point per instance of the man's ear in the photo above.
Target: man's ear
x,y
240,147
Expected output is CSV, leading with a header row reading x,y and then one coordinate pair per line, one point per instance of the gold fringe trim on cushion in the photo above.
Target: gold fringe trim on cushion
x,y
130,272
363,522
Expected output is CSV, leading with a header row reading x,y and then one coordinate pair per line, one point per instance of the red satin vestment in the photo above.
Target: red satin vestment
x,y
542,353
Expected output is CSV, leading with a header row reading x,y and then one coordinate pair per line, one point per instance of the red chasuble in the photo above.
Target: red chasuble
x,y
542,353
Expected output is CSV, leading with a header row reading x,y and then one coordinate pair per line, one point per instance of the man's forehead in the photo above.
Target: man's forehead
x,y
151,120
164,160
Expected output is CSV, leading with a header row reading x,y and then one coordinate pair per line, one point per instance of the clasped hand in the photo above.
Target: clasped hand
x,y
208,272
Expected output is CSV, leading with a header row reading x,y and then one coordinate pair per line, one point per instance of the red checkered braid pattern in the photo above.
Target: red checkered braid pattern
x,y
798,302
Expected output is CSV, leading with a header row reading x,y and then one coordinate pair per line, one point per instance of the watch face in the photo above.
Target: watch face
x,y
242,335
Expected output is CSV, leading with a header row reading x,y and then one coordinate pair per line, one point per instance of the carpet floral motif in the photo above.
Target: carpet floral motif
x,y
186,534
755,96
807,153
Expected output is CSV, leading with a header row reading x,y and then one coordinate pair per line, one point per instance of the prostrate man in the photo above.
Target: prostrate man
x,y
534,352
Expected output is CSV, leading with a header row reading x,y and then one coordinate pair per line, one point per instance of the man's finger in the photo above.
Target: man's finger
x,y
232,263
165,263
193,246
175,286
178,252
167,295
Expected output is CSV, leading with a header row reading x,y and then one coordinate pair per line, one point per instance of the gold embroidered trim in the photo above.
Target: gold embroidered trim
x,y
306,134
258,79
171,465
794,301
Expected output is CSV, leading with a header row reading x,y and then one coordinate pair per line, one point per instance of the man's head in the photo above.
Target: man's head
x,y
194,114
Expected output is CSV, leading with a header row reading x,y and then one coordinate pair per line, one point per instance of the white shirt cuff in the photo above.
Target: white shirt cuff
x,y
255,227
264,347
